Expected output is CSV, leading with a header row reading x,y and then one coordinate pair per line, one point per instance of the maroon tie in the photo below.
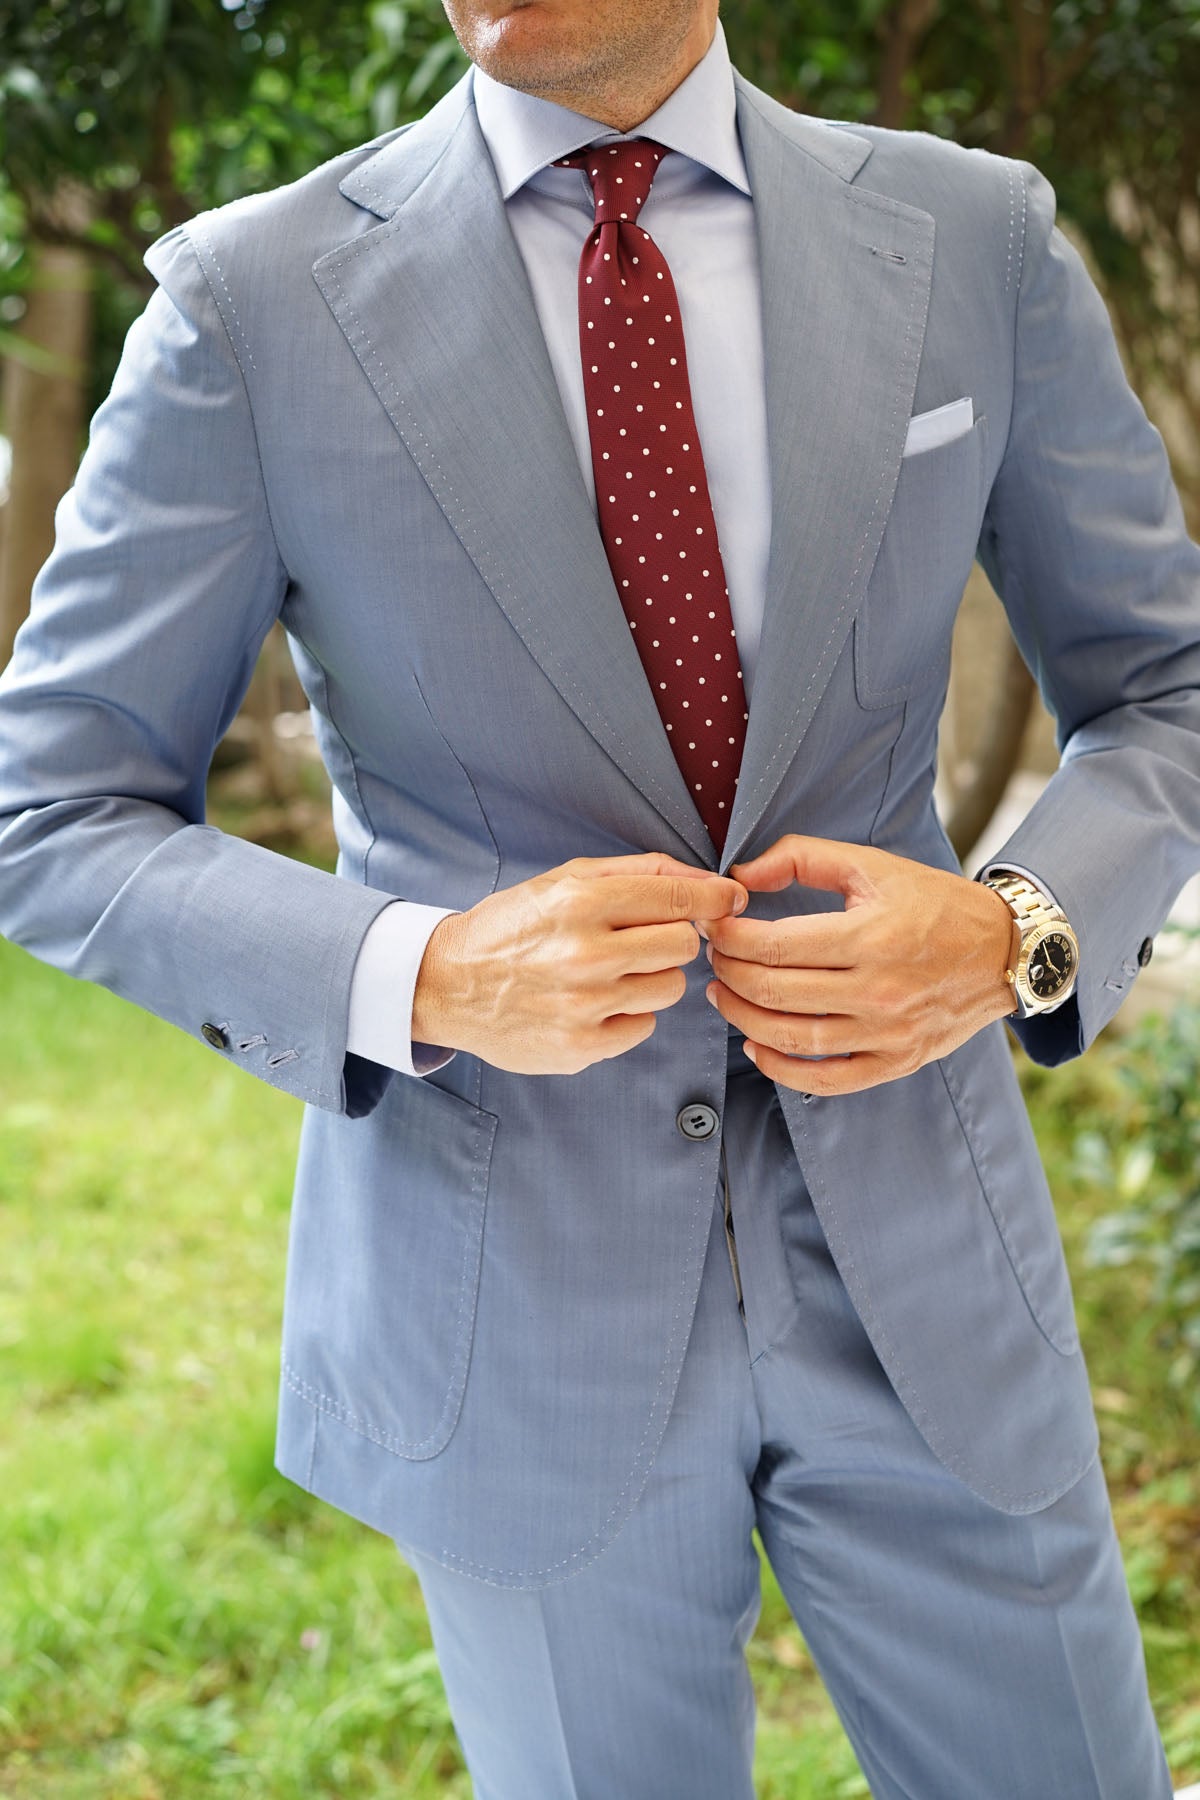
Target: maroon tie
x,y
656,517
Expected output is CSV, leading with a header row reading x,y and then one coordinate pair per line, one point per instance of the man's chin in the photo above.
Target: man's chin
x,y
531,49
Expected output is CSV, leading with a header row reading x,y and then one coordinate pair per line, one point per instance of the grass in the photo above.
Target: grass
x,y
177,1621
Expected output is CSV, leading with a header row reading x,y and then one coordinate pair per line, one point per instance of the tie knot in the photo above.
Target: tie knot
x,y
620,175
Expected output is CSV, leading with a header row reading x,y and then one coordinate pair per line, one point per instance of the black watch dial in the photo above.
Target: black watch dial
x,y
1051,965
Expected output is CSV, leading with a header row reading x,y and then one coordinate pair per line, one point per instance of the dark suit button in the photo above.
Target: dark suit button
x,y
697,1121
212,1034
1146,952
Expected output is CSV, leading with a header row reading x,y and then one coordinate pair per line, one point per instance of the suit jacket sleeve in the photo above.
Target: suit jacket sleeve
x,y
1084,540
144,630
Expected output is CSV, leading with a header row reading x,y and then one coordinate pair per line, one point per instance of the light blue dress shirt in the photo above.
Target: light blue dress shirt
x,y
701,215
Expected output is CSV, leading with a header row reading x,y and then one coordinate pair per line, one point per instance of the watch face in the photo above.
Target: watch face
x,y
1051,965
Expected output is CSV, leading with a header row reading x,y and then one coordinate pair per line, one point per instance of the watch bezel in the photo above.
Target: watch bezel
x,y
1030,943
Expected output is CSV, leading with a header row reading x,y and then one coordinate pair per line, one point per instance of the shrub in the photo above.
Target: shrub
x,y
1147,1152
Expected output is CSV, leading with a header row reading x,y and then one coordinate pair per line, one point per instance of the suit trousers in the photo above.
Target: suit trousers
x,y
971,1655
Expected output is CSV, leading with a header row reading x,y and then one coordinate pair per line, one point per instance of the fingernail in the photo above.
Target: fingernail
x,y
741,903
708,951
700,928
751,1052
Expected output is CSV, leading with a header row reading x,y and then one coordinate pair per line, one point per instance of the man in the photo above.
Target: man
x,y
605,1252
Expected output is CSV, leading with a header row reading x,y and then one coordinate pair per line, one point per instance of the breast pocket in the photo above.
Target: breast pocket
x,y
903,627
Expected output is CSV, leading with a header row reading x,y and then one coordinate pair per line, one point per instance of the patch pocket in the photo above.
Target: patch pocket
x,y
384,1264
1009,1170
903,628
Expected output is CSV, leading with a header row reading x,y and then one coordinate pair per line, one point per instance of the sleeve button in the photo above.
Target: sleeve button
x,y
1146,952
212,1034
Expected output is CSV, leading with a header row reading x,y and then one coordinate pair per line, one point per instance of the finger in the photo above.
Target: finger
x,y
647,862
657,899
814,862
835,1075
648,993
804,990
643,949
795,1034
827,940
622,1032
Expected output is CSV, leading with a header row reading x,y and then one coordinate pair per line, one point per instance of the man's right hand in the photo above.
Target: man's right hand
x,y
571,967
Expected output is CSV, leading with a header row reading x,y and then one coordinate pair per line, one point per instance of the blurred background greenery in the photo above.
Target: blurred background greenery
x,y
175,1620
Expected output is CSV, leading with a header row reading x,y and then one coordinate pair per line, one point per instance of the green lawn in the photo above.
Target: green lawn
x,y
177,1621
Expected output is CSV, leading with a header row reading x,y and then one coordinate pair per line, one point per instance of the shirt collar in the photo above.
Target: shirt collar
x,y
699,119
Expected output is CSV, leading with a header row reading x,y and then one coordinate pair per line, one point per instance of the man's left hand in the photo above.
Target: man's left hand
x,y
912,967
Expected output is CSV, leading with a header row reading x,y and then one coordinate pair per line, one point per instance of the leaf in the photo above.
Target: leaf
x,y
1136,1168
389,22
1091,1159
385,106
1116,1239
430,67
34,356
23,82
155,19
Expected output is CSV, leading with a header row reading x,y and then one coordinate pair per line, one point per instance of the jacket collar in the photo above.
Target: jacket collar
x,y
396,164
525,134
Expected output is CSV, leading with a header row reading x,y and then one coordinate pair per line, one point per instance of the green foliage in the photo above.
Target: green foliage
x,y
1098,93
1146,1151
818,58
97,90
121,118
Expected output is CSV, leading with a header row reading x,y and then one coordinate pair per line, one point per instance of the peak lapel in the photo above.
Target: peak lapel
x,y
436,305
843,330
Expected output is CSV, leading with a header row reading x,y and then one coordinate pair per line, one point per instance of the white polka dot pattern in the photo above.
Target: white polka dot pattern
x,y
656,517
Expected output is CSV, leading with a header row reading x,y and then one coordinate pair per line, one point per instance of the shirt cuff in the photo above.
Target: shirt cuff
x,y
382,988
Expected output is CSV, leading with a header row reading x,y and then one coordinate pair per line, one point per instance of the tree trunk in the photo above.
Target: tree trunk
x,y
995,752
903,31
1009,704
42,404
263,703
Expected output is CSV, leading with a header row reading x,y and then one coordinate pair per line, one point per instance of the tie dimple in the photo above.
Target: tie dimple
x,y
652,496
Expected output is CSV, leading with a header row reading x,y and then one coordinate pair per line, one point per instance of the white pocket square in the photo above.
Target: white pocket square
x,y
941,426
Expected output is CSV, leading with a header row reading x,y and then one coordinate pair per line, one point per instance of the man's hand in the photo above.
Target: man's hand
x,y
913,967
556,973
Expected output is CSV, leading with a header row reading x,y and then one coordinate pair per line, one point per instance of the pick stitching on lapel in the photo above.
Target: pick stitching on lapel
x,y
843,332
406,295
471,391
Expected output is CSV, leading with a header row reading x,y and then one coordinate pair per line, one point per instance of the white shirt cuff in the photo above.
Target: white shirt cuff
x,y
383,985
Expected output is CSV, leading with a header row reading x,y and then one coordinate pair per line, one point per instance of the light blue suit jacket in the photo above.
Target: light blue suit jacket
x,y
338,410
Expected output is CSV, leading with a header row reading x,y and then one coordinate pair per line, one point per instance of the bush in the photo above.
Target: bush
x,y
1147,1152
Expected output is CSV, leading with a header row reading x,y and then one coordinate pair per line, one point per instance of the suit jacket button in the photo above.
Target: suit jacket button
x,y
212,1034
697,1121
1146,952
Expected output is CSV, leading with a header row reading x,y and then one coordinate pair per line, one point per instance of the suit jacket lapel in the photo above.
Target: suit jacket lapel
x,y
843,329
471,391
437,307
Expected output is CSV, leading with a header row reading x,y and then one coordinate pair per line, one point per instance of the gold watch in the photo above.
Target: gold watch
x,y
1048,959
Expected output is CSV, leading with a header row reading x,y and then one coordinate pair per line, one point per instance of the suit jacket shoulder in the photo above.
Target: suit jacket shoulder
x,y
266,236
977,199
